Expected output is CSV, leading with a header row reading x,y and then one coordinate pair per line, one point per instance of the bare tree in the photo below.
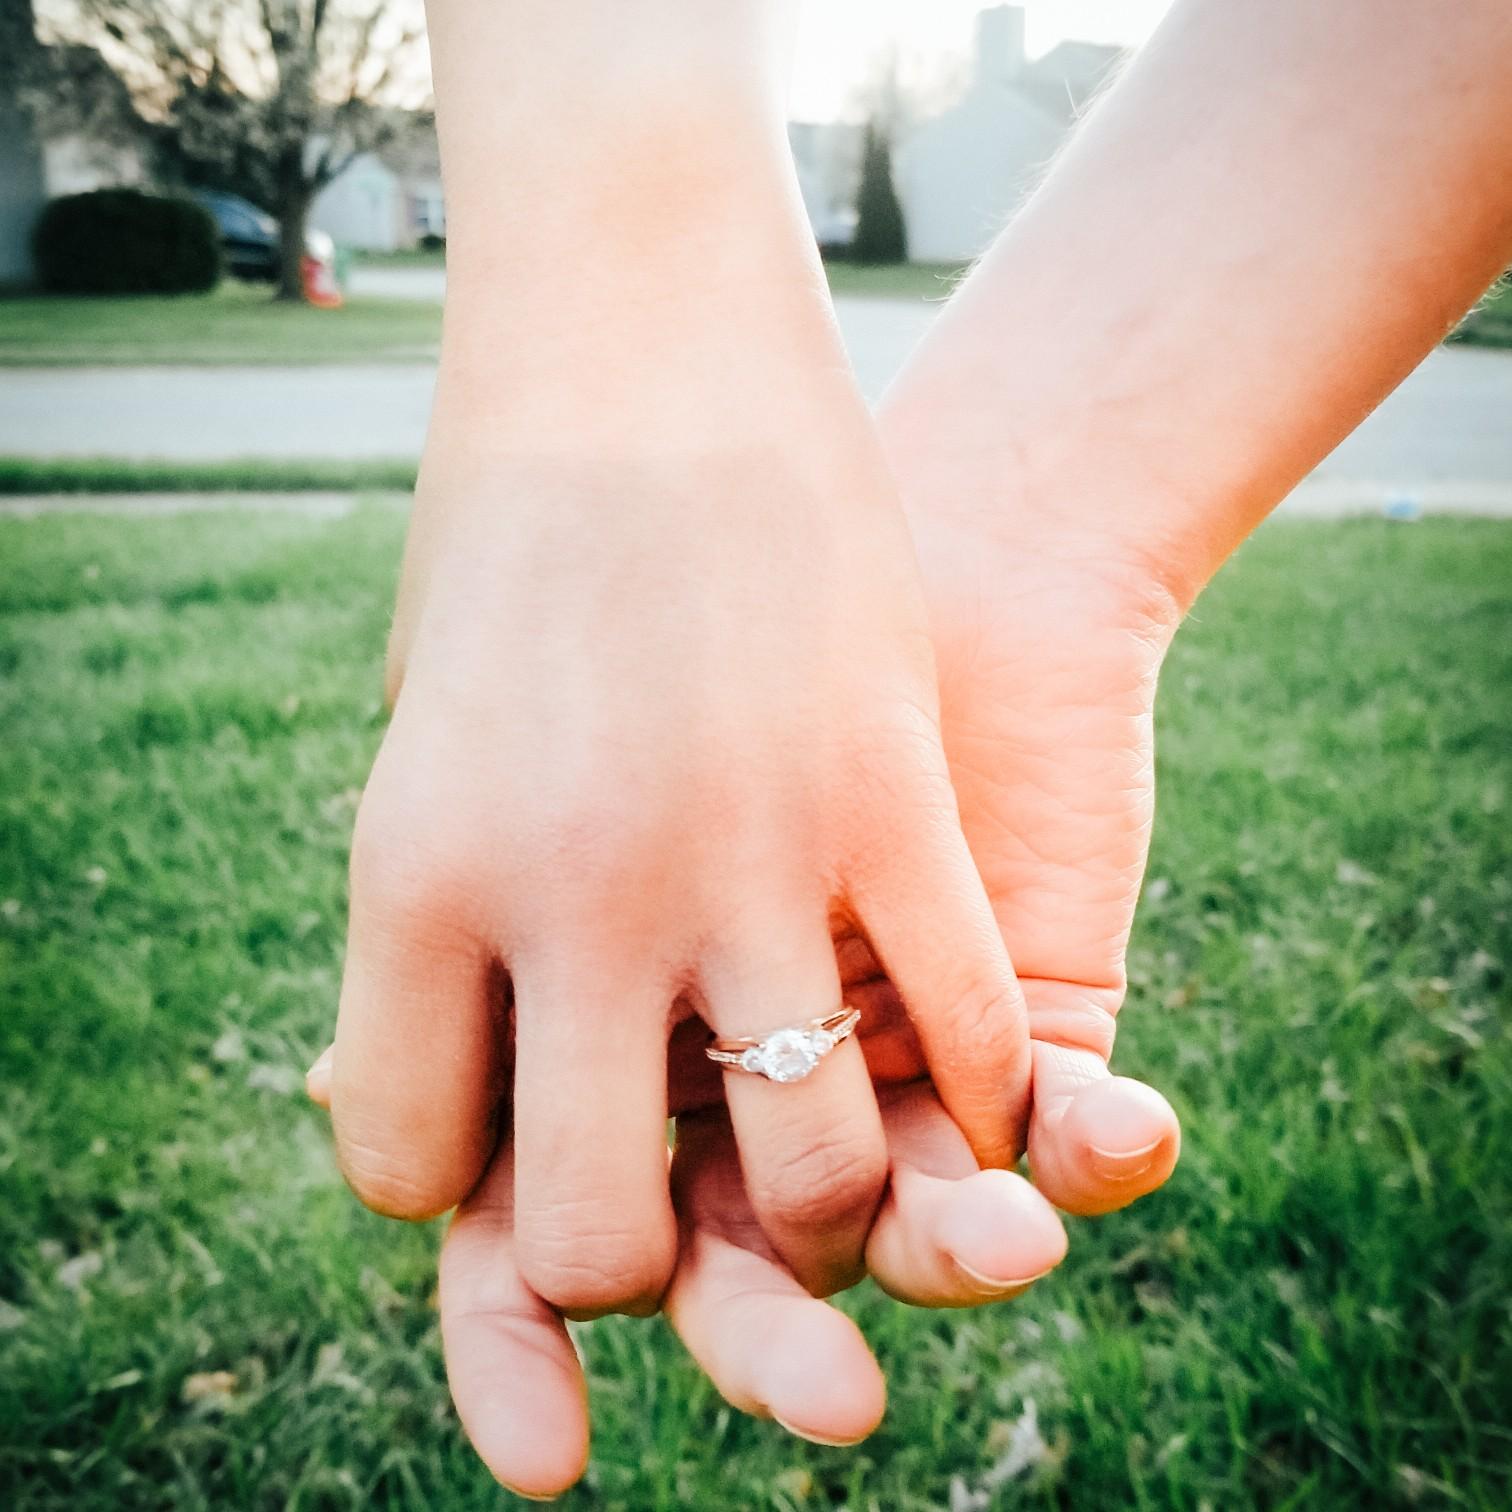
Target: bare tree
x,y
271,99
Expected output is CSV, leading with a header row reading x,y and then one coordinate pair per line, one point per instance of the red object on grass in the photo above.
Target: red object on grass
x,y
320,286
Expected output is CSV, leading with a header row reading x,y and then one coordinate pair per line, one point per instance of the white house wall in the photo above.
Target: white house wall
x,y
961,175
362,208
77,165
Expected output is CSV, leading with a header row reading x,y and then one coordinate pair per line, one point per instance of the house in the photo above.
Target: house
x,y
33,171
415,161
387,200
361,206
961,174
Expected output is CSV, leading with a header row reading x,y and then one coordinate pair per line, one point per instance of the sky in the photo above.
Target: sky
x,y
840,42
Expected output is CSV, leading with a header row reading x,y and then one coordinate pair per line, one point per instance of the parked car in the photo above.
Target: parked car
x,y
249,237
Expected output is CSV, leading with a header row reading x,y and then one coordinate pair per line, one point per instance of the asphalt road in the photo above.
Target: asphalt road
x,y
1445,437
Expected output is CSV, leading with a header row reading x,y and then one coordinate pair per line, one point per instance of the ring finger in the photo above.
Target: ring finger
x,y
811,1148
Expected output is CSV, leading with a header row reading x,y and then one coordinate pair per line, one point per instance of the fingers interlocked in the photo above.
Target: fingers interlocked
x,y
562,961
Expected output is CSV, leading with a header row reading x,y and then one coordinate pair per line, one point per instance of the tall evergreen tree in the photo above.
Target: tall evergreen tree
x,y
881,236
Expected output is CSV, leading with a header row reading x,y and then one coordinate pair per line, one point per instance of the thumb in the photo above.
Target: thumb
x,y
1097,1142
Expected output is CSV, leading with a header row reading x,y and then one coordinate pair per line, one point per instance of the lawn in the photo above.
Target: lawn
x,y
237,323
1313,1315
240,323
1490,322
912,281
890,281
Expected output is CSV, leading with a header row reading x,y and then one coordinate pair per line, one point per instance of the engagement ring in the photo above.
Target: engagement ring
x,y
787,1055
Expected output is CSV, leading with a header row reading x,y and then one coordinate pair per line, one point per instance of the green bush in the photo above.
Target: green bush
x,y
121,241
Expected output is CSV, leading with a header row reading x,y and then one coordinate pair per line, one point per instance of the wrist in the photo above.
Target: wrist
x,y
1093,509
721,331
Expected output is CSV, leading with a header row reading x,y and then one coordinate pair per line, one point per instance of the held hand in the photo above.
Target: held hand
x,y
1048,647
948,1235
667,715
1078,650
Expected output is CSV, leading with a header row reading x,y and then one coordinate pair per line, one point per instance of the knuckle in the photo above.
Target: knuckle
x,y
824,1182
594,1266
1076,1013
984,1008
404,884
1074,1016
393,1187
422,838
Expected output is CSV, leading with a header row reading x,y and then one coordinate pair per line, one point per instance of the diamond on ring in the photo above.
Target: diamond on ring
x,y
787,1055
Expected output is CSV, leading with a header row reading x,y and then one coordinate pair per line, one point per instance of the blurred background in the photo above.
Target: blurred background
x,y
308,267
222,259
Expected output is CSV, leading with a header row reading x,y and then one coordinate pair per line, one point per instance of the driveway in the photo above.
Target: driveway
x,y
1444,437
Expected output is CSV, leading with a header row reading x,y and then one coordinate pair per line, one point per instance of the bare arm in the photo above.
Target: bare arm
x,y
665,705
1259,231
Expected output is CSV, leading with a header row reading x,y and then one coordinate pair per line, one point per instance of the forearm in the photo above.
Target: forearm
x,y
1258,233
537,97
616,183
638,344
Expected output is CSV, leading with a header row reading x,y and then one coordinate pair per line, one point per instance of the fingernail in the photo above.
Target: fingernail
x,y
1122,1165
996,1286
817,1438
534,1496
322,1063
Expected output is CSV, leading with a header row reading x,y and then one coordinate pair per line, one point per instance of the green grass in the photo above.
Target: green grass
x,y
95,475
900,281
1313,1315
913,281
237,323
241,323
1490,322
